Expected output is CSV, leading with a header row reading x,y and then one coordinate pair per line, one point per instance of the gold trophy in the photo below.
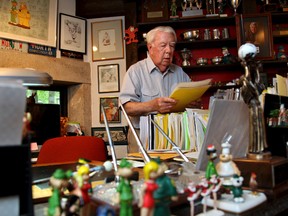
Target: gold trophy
x,y
186,55
235,4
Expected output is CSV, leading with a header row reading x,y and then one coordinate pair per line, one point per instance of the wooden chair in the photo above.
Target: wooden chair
x,y
71,148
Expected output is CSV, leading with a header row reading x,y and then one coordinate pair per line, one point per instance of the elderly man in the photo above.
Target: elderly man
x,y
149,82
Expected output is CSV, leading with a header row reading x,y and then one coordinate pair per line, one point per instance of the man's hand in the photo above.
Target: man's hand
x,y
164,104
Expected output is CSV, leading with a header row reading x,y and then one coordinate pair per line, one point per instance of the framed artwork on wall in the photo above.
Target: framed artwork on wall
x,y
72,33
256,29
107,40
112,112
108,78
32,21
117,134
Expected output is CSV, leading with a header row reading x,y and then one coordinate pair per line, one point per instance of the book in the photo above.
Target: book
x,y
186,92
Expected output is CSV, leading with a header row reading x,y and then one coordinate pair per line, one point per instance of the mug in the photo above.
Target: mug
x,y
216,34
207,35
225,33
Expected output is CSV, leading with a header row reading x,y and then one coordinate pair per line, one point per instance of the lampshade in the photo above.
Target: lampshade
x,y
29,77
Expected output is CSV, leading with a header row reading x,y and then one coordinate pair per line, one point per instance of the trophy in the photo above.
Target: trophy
x,y
235,4
186,55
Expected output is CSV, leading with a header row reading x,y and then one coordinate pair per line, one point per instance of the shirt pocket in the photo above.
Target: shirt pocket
x,y
149,94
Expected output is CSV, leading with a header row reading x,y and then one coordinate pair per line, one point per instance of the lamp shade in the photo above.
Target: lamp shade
x,y
29,77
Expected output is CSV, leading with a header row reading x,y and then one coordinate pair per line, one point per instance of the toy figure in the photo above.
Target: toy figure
x,y
281,53
226,168
58,181
130,35
205,192
228,58
193,194
124,189
237,188
215,186
173,9
146,200
253,183
210,169
166,191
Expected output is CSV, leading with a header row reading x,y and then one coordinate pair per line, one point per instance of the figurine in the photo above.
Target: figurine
x,y
215,187
193,194
237,188
166,191
58,182
281,53
282,119
205,192
146,200
124,188
250,91
253,183
173,10
211,169
228,58
226,168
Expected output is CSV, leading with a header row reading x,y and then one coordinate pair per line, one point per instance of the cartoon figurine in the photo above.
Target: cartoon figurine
x,y
146,200
215,187
228,58
205,192
58,182
193,194
124,189
237,188
253,183
281,53
210,169
226,168
130,35
166,191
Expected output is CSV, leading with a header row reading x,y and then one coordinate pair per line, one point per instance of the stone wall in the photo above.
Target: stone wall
x,y
75,73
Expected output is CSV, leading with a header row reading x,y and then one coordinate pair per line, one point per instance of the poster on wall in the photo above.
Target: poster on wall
x,y
31,21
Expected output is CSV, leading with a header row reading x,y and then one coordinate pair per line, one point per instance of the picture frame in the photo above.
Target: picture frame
x,y
107,40
110,105
108,78
117,134
256,29
37,24
73,33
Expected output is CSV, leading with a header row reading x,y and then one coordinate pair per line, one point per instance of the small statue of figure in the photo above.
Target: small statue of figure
x,y
253,185
282,118
146,200
281,53
166,191
237,188
211,169
124,189
221,5
173,9
205,192
193,193
228,58
250,91
216,184
58,182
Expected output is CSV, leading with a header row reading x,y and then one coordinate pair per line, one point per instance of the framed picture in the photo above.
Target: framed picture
x,y
108,78
107,40
256,29
72,33
117,134
32,21
112,112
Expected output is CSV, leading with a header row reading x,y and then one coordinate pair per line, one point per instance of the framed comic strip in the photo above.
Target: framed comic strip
x,y
117,134
112,112
32,21
256,29
72,33
108,78
107,40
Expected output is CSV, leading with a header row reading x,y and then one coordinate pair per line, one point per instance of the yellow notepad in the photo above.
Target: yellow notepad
x,y
186,92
